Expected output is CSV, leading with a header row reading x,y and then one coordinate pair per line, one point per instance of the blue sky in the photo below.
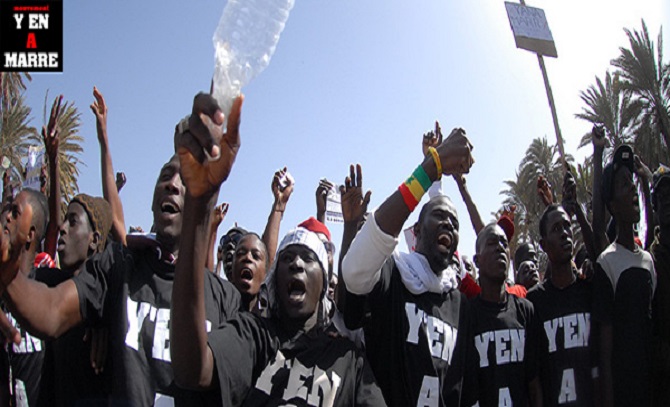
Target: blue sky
x,y
351,81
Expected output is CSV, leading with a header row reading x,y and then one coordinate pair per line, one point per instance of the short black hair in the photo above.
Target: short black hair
x,y
40,211
480,235
424,208
521,252
260,239
545,218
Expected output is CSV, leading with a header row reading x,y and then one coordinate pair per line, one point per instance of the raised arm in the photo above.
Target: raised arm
x,y
475,218
599,236
50,134
645,176
572,207
377,239
109,188
218,214
354,209
192,359
321,198
282,188
455,157
44,312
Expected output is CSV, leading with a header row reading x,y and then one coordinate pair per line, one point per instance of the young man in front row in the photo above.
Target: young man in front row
x,y
504,367
563,310
419,319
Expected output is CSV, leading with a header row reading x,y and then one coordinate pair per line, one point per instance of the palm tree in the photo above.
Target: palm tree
x,y
613,106
69,149
643,73
15,135
540,159
11,87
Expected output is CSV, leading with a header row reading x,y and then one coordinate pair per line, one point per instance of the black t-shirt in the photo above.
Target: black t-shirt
x,y
257,368
566,352
416,344
25,366
505,357
67,375
624,285
130,292
25,361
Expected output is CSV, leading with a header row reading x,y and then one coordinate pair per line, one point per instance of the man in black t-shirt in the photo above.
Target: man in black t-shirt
x,y
503,332
416,335
129,291
624,285
25,222
563,310
288,359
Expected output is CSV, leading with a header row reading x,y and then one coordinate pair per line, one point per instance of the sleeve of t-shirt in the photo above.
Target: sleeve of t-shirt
x,y
368,392
225,296
603,296
362,264
242,348
100,275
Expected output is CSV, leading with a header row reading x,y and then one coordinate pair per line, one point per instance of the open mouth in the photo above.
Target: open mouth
x,y
444,241
61,245
246,274
170,208
296,291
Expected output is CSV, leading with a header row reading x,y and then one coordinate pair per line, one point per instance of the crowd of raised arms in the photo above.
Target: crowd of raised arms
x,y
94,315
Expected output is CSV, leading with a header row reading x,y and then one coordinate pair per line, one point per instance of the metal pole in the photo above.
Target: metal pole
x,y
552,105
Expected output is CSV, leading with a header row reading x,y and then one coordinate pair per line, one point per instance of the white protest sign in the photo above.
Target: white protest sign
x,y
334,205
530,28
34,168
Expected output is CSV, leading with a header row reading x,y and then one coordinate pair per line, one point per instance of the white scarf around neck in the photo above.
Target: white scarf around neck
x,y
419,278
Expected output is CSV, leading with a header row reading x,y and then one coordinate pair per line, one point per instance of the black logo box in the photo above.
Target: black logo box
x,y
14,40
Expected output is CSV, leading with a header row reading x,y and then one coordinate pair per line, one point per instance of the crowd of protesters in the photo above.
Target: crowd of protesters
x,y
94,315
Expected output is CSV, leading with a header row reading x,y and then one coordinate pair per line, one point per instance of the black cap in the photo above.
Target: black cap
x,y
623,157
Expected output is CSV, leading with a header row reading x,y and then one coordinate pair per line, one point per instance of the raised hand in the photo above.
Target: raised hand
x,y
431,139
456,153
322,196
354,204
205,137
120,180
544,191
51,131
642,170
219,214
598,137
99,109
569,200
282,188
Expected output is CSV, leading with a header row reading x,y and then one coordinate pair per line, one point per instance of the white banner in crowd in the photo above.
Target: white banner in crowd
x,y
34,168
530,28
334,205
410,238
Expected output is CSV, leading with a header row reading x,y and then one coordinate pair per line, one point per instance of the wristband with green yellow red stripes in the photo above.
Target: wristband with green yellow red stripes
x,y
413,189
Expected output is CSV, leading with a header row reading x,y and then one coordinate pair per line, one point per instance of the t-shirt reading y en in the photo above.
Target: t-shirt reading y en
x,y
505,360
130,292
624,286
567,357
255,367
416,343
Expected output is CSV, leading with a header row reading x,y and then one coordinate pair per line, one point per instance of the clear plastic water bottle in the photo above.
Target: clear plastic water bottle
x,y
244,41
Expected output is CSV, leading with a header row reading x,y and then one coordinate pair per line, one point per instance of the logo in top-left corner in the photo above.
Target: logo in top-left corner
x,y
31,36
